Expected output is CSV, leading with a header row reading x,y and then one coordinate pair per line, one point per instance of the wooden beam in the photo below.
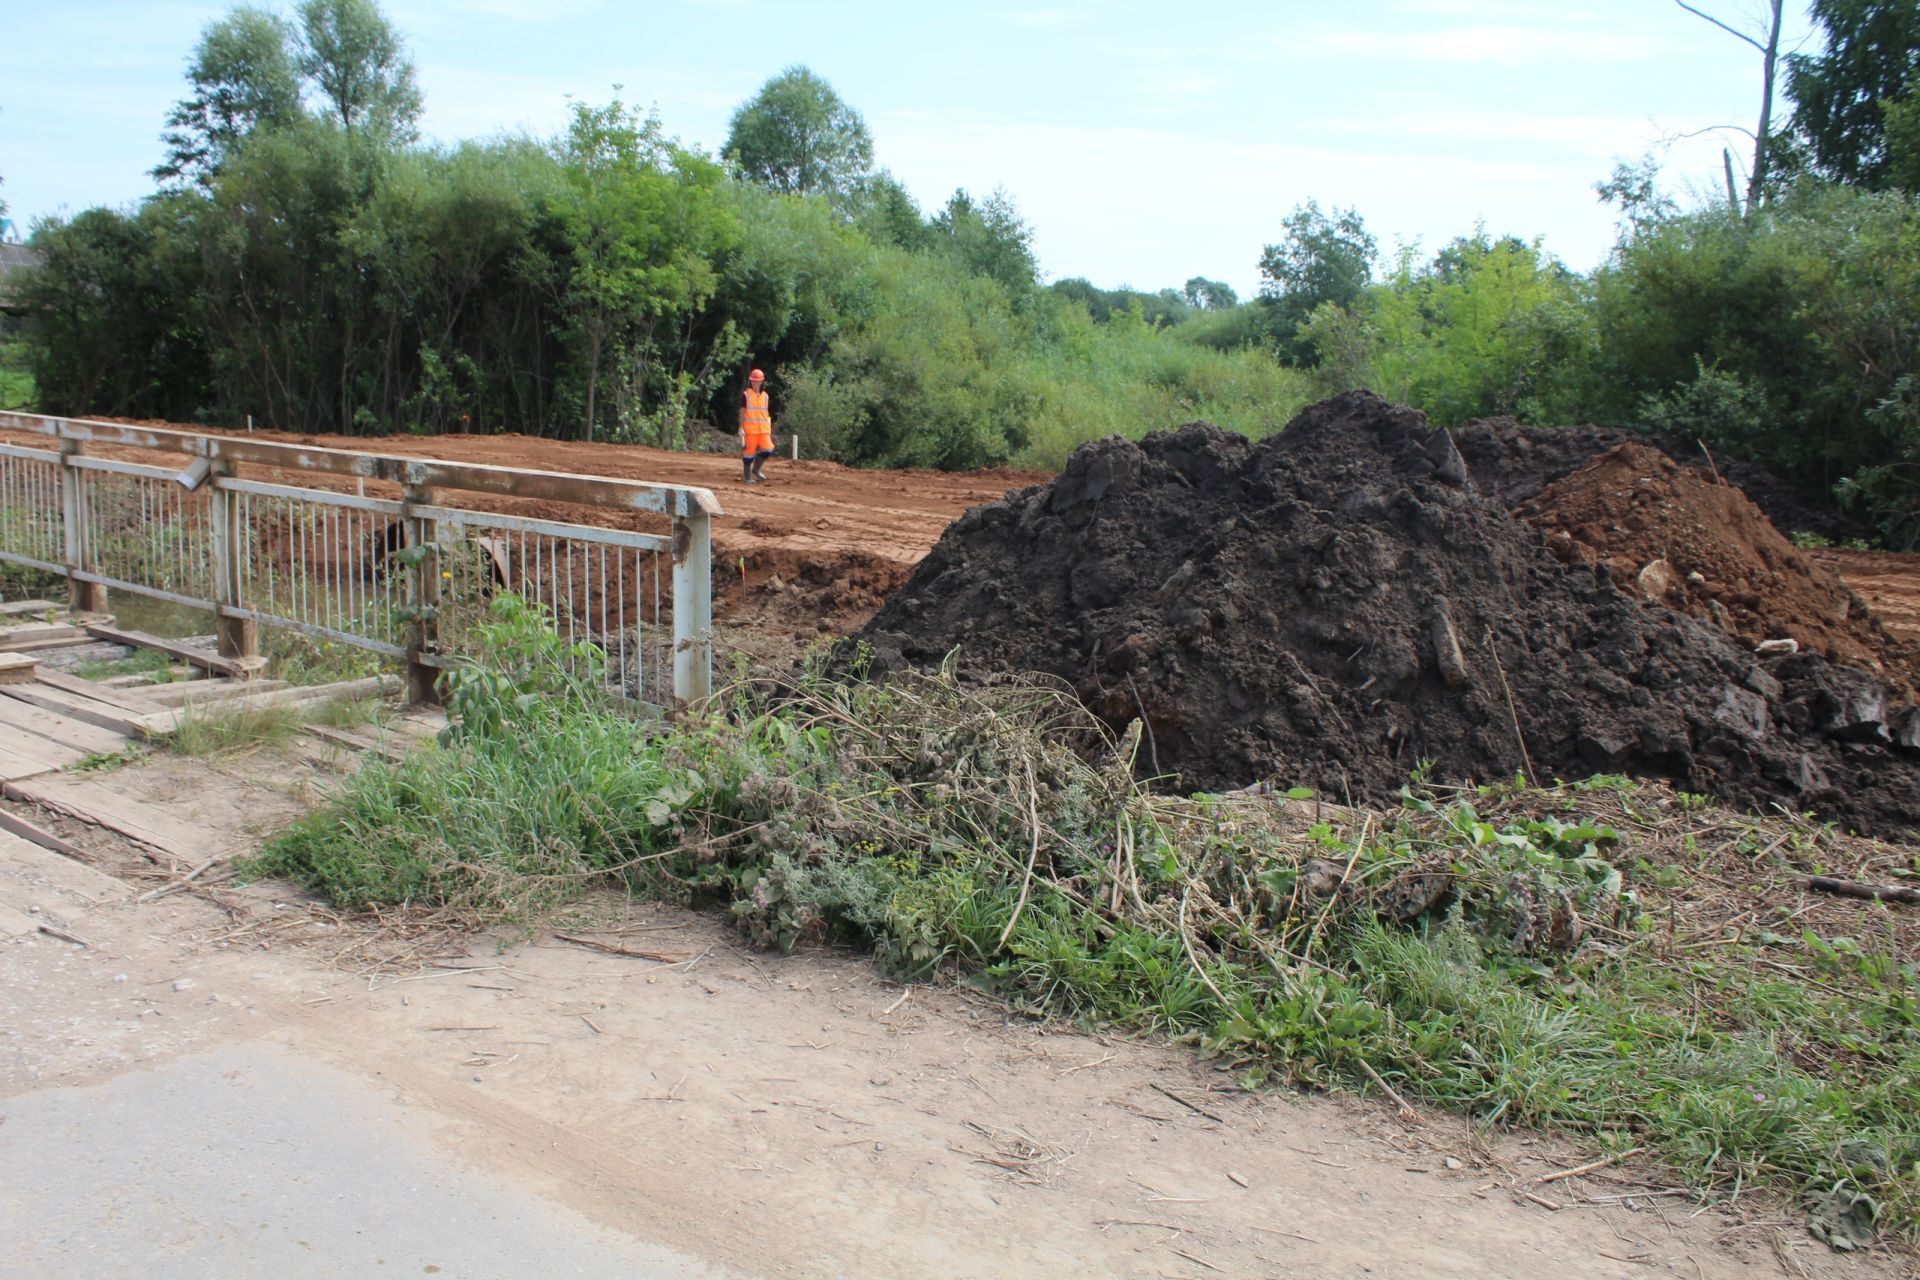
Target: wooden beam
x,y
17,668
123,699
238,668
183,693
169,721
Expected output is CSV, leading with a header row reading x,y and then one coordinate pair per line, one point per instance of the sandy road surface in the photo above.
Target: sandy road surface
x,y
1889,581
715,1108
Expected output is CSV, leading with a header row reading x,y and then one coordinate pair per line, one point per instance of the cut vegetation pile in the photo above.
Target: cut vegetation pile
x,y
1339,603
1609,960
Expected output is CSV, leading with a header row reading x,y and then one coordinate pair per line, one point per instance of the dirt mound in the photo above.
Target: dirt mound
x,y
1514,463
1673,535
1335,604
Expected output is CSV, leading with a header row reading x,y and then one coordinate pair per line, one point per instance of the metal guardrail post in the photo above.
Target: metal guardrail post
x,y
692,605
85,597
418,535
238,637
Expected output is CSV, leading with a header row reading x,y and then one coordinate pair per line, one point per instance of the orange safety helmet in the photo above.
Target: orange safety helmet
x,y
756,376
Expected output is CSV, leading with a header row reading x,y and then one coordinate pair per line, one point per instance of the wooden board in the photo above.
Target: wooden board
x,y
75,707
121,698
98,803
22,720
28,635
40,873
29,757
386,746
17,668
29,608
238,667
55,642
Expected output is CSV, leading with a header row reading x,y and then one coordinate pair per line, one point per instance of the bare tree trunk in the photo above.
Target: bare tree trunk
x,y
1733,195
1770,54
1757,178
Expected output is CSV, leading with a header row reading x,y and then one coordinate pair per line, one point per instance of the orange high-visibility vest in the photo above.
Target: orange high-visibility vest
x,y
756,423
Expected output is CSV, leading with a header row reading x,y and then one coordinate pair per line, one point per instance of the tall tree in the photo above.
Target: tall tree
x,y
797,137
989,238
360,68
1209,295
243,77
1839,96
1762,135
1322,259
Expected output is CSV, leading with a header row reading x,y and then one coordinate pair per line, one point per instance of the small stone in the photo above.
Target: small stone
x,y
183,984
1453,1162
119,977
33,911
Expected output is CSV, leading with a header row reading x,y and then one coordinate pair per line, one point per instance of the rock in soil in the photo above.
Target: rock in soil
x,y
1342,601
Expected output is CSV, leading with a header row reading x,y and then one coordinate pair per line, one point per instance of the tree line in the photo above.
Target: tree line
x,y
308,261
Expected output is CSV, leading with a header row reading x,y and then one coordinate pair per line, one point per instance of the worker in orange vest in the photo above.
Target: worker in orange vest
x,y
756,430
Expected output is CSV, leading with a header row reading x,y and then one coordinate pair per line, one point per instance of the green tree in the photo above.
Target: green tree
x,y
1322,260
989,238
644,223
797,137
1489,326
1903,138
1209,295
359,68
887,212
1871,57
242,77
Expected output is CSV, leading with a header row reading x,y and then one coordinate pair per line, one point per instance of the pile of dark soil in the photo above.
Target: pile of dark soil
x,y
1677,536
1513,463
1337,603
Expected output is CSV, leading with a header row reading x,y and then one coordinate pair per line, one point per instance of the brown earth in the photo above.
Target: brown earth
x,y
1889,581
1676,536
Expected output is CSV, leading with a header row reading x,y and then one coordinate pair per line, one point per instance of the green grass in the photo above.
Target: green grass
x,y
19,582
155,665
346,713
223,731
1709,1014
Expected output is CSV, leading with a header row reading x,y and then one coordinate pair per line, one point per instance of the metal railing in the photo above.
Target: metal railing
x,y
408,576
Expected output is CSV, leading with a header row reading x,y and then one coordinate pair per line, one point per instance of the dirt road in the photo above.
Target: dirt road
x,y
765,1116
1889,581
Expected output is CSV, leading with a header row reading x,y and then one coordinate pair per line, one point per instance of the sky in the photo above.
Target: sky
x,y
1145,143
